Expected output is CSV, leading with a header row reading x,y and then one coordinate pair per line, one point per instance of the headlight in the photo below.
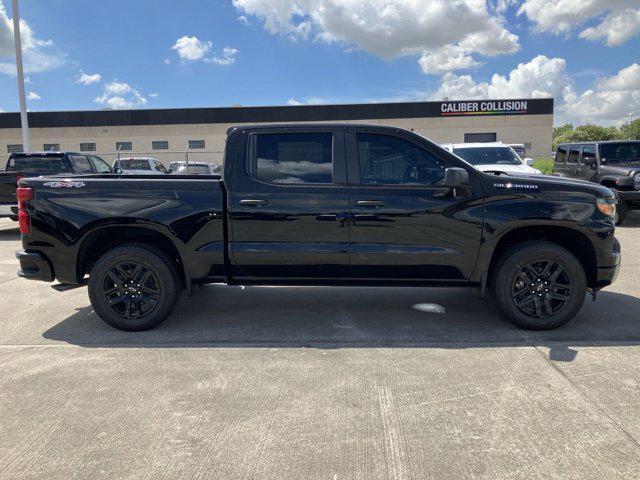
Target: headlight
x,y
636,181
607,206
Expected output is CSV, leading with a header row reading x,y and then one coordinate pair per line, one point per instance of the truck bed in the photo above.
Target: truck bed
x,y
186,209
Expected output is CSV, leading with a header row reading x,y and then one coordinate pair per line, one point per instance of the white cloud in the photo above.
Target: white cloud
x,y
619,20
307,101
610,102
390,28
243,20
38,55
446,59
167,61
87,79
191,48
33,96
228,57
120,95
153,95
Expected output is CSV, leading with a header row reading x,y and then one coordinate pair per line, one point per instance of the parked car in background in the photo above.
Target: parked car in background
x,y
37,164
140,166
492,157
614,164
387,207
195,168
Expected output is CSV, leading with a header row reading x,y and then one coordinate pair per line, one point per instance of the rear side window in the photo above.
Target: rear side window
x,y
81,164
561,155
574,155
389,160
100,165
36,164
294,157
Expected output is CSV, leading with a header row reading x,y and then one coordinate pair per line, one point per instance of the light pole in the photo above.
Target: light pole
x,y
26,144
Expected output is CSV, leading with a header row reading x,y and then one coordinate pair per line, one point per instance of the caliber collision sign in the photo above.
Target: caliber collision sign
x,y
485,107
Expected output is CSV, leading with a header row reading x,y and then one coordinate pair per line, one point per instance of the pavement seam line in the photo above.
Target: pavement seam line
x,y
587,397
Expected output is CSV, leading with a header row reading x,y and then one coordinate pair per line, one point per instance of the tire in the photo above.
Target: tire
x,y
133,287
536,304
621,209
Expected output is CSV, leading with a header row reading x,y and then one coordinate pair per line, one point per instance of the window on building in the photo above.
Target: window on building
x,y
81,164
480,137
51,147
160,145
196,144
294,157
87,147
386,160
123,146
16,148
527,146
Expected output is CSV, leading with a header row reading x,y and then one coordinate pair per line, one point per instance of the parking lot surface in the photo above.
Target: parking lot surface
x,y
336,383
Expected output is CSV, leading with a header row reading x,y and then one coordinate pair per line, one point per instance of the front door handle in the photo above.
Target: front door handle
x,y
253,202
369,203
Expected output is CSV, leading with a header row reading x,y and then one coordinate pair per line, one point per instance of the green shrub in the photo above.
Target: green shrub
x,y
545,165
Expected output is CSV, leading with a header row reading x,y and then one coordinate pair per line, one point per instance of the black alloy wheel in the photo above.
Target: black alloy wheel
x,y
131,290
541,289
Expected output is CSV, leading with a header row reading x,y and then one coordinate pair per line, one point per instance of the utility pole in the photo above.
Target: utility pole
x,y
26,144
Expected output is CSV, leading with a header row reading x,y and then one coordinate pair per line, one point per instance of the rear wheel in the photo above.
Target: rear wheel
x,y
133,287
539,285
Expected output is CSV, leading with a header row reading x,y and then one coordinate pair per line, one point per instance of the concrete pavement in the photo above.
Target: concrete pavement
x,y
336,383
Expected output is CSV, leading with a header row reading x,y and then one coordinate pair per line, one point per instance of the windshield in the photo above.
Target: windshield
x,y
620,152
35,164
488,155
133,164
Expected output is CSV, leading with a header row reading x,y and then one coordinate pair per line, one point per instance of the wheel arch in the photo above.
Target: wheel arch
x,y
104,238
574,241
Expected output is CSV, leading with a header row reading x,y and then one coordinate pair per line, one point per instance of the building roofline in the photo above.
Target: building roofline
x,y
267,114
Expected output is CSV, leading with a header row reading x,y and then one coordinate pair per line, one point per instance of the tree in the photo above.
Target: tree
x,y
630,130
585,133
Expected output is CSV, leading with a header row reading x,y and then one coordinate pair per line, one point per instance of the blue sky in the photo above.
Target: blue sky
x,y
160,53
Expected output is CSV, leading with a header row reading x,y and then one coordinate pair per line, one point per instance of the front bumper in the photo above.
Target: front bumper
x,y
34,266
608,274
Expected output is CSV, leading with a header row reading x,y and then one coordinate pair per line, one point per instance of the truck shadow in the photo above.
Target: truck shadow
x,y
9,234
333,317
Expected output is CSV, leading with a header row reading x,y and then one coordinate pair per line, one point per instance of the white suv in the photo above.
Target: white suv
x,y
492,157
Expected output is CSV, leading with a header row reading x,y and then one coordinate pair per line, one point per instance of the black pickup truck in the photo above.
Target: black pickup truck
x,y
322,205
35,164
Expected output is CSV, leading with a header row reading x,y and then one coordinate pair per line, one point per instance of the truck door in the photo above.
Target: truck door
x,y
405,223
589,162
573,165
288,204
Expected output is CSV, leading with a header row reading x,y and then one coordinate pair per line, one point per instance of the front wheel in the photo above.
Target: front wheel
x,y
133,287
539,285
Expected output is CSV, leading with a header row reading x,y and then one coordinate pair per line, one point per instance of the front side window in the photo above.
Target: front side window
x,y
81,164
589,154
574,155
100,165
489,155
386,160
294,157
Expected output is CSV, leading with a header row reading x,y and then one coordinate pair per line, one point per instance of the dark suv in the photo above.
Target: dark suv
x,y
614,164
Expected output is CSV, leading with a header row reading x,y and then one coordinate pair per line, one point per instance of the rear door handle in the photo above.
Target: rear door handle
x,y
369,203
255,202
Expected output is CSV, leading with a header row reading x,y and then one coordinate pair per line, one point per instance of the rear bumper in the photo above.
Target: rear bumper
x,y
8,211
34,266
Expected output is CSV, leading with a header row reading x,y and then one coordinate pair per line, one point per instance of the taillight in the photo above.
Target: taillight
x,y
24,194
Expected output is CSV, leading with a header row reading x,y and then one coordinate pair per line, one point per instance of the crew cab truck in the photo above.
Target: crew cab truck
x,y
614,164
322,205
37,164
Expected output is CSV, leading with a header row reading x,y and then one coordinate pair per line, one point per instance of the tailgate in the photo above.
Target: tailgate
x,y
8,188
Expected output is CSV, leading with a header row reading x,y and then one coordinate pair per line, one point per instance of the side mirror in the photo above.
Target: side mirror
x,y
456,177
528,162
